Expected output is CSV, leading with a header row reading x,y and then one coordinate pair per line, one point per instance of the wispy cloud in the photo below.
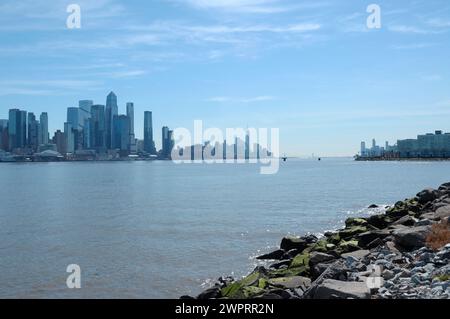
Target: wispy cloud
x,y
46,87
408,29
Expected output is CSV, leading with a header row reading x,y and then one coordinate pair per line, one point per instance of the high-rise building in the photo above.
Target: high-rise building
x,y
69,137
149,143
33,132
59,140
73,117
112,110
44,128
97,128
84,107
17,129
3,134
130,114
121,125
167,142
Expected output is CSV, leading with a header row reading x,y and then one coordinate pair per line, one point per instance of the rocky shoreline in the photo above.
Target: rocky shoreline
x,y
401,254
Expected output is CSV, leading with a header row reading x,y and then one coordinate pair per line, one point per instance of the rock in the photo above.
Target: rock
x,y
212,293
289,243
348,246
373,206
443,212
269,296
281,264
388,274
319,269
331,288
275,255
366,238
406,221
318,257
358,255
413,237
352,231
291,282
350,222
378,221
427,195
424,222
291,254
186,297
375,243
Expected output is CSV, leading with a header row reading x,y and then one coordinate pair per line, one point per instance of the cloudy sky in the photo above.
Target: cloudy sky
x,y
311,68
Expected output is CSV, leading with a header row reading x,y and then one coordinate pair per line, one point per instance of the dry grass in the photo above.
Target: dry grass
x,y
439,236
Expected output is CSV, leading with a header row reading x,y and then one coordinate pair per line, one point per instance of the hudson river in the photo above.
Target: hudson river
x,y
160,230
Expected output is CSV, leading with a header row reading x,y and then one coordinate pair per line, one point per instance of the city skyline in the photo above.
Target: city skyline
x,y
313,69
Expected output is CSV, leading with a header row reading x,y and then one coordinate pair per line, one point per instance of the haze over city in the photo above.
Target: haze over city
x,y
312,69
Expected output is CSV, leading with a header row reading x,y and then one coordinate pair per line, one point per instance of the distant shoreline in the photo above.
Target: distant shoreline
x,y
413,159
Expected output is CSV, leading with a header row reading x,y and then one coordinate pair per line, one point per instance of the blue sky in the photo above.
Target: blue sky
x,y
311,68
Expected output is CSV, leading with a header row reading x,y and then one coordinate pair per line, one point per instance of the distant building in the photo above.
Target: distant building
x,y
111,110
97,128
33,132
430,145
44,137
149,143
59,141
17,129
121,128
69,136
130,114
4,135
167,142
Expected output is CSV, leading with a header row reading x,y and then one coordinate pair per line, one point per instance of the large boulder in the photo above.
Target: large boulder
x,y
412,237
443,212
290,282
275,255
427,195
318,257
366,238
335,289
289,243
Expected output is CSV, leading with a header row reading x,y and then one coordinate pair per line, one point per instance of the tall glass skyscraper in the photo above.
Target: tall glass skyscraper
x,y
132,137
98,128
149,143
33,131
112,110
73,117
17,129
44,128
121,125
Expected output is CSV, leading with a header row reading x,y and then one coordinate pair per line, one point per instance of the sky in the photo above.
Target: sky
x,y
313,69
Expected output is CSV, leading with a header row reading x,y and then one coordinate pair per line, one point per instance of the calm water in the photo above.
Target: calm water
x,y
158,230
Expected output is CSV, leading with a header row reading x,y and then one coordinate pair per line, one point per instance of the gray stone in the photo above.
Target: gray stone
x,y
291,282
289,243
424,222
331,288
443,212
427,195
411,237
358,255
318,257
388,274
275,255
406,221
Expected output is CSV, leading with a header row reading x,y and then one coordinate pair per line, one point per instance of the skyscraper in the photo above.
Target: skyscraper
x,y
73,117
17,129
130,115
149,143
84,115
97,128
33,131
112,110
3,134
69,137
167,142
121,124
44,128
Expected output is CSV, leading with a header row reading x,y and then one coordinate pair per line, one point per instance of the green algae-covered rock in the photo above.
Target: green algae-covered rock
x,y
300,260
355,222
348,246
351,232
236,290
